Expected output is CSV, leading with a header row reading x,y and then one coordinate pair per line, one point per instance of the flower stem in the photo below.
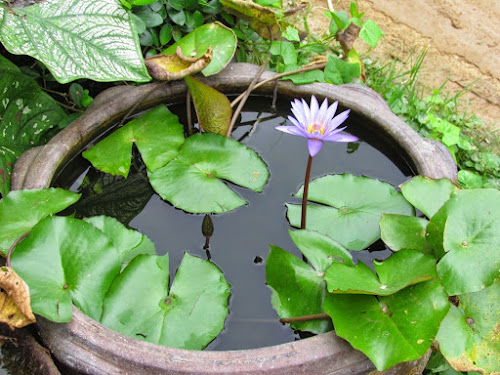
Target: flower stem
x,y
305,318
306,191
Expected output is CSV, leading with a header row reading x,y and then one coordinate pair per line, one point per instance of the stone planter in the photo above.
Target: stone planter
x,y
91,348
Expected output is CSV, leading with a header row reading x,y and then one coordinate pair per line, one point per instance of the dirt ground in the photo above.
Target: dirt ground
x,y
462,37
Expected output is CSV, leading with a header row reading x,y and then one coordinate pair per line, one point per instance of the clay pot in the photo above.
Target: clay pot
x,y
91,348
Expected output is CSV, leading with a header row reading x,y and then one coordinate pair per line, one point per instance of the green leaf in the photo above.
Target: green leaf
x,y
150,18
189,317
371,33
285,50
157,134
166,34
468,336
467,229
404,233
65,260
401,269
469,179
351,208
305,77
426,194
196,43
291,34
21,210
26,115
128,242
392,329
212,107
96,41
297,289
338,71
192,181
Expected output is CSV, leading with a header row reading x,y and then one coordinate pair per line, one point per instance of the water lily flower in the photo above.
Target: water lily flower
x,y
317,124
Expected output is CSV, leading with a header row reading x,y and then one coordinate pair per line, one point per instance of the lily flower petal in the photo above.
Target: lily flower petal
x,y
314,145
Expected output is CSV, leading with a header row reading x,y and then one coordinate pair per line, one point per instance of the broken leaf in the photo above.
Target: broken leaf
x,y
177,66
15,308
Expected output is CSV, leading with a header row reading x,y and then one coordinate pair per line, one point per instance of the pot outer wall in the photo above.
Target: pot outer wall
x,y
91,348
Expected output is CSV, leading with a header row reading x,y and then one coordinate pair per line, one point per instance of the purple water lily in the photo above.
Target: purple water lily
x,y
317,124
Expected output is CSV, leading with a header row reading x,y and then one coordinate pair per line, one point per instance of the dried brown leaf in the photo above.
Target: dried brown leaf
x,y
15,307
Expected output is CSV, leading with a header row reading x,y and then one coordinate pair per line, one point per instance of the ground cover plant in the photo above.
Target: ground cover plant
x,y
429,267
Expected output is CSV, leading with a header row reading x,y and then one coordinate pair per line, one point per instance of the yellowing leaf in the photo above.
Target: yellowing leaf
x,y
15,308
177,66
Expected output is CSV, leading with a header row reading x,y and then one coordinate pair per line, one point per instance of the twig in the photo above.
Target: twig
x,y
281,75
13,246
305,318
70,108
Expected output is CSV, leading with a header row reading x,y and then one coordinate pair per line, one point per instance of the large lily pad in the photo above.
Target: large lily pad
x,y
401,269
26,115
188,317
157,134
351,208
21,210
193,180
426,194
66,261
195,44
401,232
468,337
467,230
391,329
96,39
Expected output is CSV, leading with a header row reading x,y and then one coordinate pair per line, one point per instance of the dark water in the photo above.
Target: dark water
x,y
241,239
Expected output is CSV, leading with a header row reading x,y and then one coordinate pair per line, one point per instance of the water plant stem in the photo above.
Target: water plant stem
x,y
305,318
306,191
13,246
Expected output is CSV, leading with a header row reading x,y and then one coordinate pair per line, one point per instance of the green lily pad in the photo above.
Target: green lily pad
x,y
21,210
426,194
404,233
468,337
97,41
467,231
188,317
401,269
351,208
128,242
66,261
193,181
196,43
391,329
157,134
27,113
212,107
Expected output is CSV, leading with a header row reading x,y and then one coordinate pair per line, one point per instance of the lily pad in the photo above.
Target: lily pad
x,y
467,231
391,329
426,194
27,113
401,269
351,208
66,261
188,317
157,134
21,210
128,242
195,44
193,180
401,232
468,337
97,41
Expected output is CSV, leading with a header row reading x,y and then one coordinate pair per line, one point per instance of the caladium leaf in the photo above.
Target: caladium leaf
x,y
401,269
351,208
94,39
468,336
467,231
426,194
213,108
391,329
193,180
157,134
21,210
66,261
140,305
26,115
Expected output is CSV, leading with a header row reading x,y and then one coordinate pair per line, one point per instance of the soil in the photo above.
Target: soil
x,y
462,40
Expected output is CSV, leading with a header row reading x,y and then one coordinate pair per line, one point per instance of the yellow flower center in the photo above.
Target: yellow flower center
x,y
316,128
